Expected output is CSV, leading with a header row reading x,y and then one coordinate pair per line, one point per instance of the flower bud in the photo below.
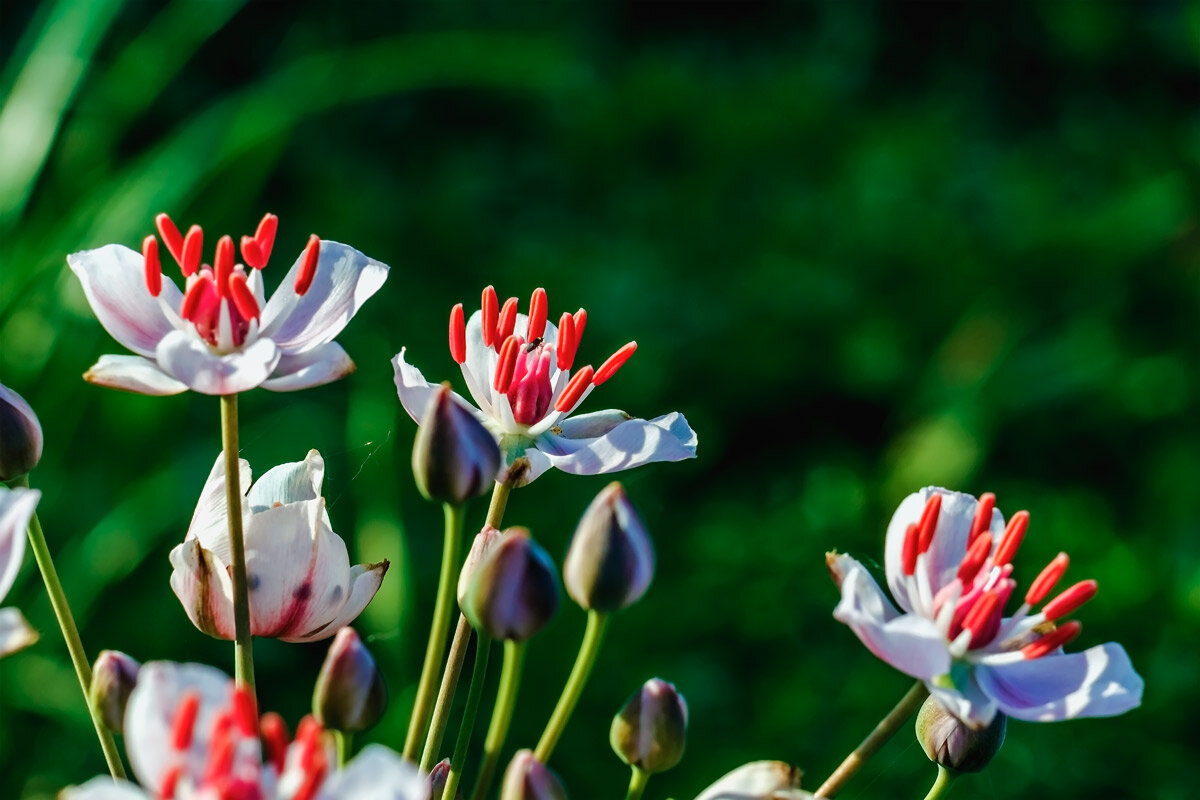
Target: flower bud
x,y
454,457
20,436
610,561
650,730
758,780
529,779
485,542
514,592
437,781
350,695
113,677
950,742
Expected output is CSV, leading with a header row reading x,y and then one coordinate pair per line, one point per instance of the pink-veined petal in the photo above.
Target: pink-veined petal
x,y
293,482
365,580
316,367
376,773
104,788
967,701
133,374
630,444
15,632
202,584
114,282
16,509
191,361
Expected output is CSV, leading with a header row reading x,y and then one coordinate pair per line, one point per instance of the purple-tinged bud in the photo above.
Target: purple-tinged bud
x,y
485,541
454,457
350,695
758,780
437,781
20,436
529,779
610,562
113,677
650,731
953,744
514,591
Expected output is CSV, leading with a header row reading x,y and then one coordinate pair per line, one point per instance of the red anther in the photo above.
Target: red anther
x,y
195,293
245,713
490,307
193,244
220,757
223,264
909,552
171,236
980,614
506,365
1070,599
265,237
507,323
575,388
252,253
1013,535
311,784
242,296
1052,641
153,265
538,308
614,362
274,734
580,324
308,264
567,343
977,553
1043,584
983,516
929,522
170,778
458,334
183,726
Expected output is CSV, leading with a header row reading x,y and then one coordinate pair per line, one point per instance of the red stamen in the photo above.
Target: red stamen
x,y
567,343
977,553
491,314
275,736
311,784
538,308
575,388
983,516
223,264
1052,640
1043,584
170,778
1070,599
193,244
182,727
506,365
580,324
242,296
1013,535
252,253
195,293
220,756
507,323
171,237
308,264
980,614
458,334
929,522
909,553
245,714
265,237
614,362
153,265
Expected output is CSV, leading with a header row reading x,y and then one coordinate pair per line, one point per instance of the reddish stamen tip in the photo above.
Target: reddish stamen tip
x,y
311,784
1044,583
980,614
252,253
977,553
153,265
308,264
490,306
169,782
507,322
1013,535
580,323
983,516
171,237
614,362
458,335
567,343
575,388
1053,640
265,237
220,756
909,553
275,736
506,365
193,243
223,264
245,713
927,527
1070,599
195,293
538,308
183,726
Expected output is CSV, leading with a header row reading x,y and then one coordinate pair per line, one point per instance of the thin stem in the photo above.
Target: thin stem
x,y
941,785
483,646
344,741
506,701
886,728
436,648
243,646
499,502
637,784
593,636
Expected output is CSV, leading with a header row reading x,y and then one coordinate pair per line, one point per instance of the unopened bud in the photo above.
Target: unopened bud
x,y
113,677
437,781
485,542
758,780
513,592
350,695
20,436
610,561
650,730
529,779
950,742
454,457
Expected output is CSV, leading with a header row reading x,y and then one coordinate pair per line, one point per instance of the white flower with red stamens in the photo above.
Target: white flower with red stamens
x,y
221,335
948,559
191,735
16,509
302,587
518,370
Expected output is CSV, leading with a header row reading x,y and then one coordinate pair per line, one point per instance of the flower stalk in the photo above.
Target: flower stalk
x,y
637,784
243,646
593,636
506,701
483,646
941,785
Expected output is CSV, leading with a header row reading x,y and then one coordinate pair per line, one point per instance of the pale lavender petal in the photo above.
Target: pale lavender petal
x,y
186,358
16,509
376,773
365,580
288,483
316,367
595,423
15,632
133,374
114,281
203,586
965,700
630,444
104,788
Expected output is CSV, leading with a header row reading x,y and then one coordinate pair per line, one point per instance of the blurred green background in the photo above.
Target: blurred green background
x,y
864,247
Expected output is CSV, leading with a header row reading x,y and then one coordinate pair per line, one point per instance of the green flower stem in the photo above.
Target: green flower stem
x,y
483,646
423,705
593,636
66,622
637,784
499,502
886,728
343,741
506,701
243,646
941,786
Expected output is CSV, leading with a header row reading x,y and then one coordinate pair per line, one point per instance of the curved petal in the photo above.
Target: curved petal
x,y
376,773
15,632
114,281
186,358
16,509
316,367
630,444
202,584
415,392
344,279
1099,682
365,580
480,367
209,523
758,780
133,374
966,700
104,788
288,483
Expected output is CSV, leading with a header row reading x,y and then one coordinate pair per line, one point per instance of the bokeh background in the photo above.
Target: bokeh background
x,y
864,247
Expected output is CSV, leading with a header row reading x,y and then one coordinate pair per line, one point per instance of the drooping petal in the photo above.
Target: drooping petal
x,y
365,580
376,773
1099,682
966,700
114,282
202,584
209,521
288,483
133,374
344,280
16,509
186,358
630,444
315,367
15,632
104,788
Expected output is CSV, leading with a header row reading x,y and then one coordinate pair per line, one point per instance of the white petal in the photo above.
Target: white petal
x,y
16,509
203,586
209,523
288,483
344,279
15,632
630,444
966,700
104,788
415,392
1099,682
114,280
133,374
596,423
365,580
758,780
186,358
316,367
376,773
479,369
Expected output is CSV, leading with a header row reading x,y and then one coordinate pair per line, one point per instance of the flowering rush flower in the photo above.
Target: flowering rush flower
x,y
191,735
302,587
948,559
518,369
221,335
16,509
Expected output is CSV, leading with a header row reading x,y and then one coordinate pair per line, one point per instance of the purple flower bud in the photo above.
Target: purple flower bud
x,y
513,592
610,561
437,781
650,731
20,436
350,695
454,457
485,541
113,677
528,779
950,742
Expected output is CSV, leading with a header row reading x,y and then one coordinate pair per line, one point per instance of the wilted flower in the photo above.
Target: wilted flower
x,y
948,559
529,779
301,585
610,562
758,780
454,457
20,436
518,371
349,695
114,675
513,592
16,509
650,731
951,743
221,335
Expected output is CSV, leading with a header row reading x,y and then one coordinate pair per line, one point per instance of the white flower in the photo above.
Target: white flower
x,y
301,585
221,336
16,509
948,559
518,370
758,780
